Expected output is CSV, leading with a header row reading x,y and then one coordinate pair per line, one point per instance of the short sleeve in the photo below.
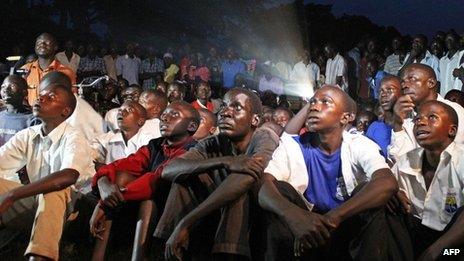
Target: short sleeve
x,y
13,154
279,166
263,144
77,156
368,156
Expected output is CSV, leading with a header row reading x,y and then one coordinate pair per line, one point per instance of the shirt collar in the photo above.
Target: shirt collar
x,y
55,135
117,137
172,149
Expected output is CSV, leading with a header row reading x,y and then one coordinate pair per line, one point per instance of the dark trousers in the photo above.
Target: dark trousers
x,y
371,235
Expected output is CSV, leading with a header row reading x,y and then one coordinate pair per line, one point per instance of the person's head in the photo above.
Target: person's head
x,y
230,54
178,121
13,90
435,125
203,91
267,114
419,82
305,56
168,59
109,90
175,92
131,116
330,110
364,119
162,86
55,77
45,45
372,67
452,41
436,48
330,50
440,35
419,43
390,91
91,51
55,103
131,93
456,96
69,46
154,102
397,44
208,124
130,49
372,46
151,52
123,83
282,116
239,115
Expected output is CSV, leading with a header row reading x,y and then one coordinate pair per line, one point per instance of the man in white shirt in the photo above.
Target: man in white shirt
x,y
130,93
125,140
310,181
68,57
84,118
448,63
420,54
128,66
431,180
56,157
154,102
110,62
336,68
305,73
395,60
418,86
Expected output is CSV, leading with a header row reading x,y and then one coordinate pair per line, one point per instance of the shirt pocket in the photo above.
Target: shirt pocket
x,y
449,204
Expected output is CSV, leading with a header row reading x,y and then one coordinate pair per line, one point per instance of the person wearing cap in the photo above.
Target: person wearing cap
x,y
171,68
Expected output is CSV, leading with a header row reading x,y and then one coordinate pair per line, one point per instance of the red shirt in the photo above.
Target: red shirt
x,y
197,105
138,164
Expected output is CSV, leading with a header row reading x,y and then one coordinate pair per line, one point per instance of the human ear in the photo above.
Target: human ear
x,y
255,121
346,118
193,126
452,131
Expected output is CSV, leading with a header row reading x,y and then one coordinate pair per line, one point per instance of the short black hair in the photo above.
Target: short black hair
x,y
429,70
57,78
390,77
210,115
69,98
254,99
452,114
138,107
20,81
159,96
195,115
285,109
179,86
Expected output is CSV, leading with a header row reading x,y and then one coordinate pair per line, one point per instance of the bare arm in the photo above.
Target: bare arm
x,y
296,123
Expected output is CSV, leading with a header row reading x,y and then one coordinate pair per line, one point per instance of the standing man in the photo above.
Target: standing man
x,y
336,69
230,68
150,66
449,63
110,62
420,54
305,72
395,60
68,57
45,49
91,65
128,66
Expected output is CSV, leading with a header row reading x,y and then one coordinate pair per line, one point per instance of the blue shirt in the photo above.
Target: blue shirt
x,y
374,83
229,71
380,133
11,123
324,173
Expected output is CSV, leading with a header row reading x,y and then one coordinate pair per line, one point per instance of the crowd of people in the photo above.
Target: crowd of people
x,y
327,154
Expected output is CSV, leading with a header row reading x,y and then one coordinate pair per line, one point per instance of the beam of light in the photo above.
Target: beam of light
x,y
13,58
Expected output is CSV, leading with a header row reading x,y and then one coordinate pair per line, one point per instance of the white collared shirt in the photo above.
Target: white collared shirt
x,y
404,141
430,60
63,148
336,67
358,162
129,68
111,119
151,128
447,80
73,63
110,146
307,75
437,205
86,119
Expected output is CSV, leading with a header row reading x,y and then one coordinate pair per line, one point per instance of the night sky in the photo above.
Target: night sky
x,y
408,16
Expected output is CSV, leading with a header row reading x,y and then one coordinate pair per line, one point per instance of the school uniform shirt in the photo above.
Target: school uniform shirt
x,y
336,67
111,119
147,164
447,80
430,60
63,148
358,163
12,123
437,205
111,146
86,119
404,140
151,128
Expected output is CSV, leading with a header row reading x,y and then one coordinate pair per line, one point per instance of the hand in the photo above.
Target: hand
x,y
97,222
332,220
253,166
400,200
402,108
431,253
178,239
456,72
6,201
110,193
309,229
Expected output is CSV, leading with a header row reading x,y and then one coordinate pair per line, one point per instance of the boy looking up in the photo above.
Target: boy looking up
x,y
155,102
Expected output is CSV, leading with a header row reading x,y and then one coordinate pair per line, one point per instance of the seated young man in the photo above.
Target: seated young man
x,y
155,102
363,120
127,139
175,92
281,116
16,116
431,180
307,193
138,176
203,96
130,93
55,156
208,124
213,180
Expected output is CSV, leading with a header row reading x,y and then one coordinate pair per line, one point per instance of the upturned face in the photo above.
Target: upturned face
x,y
175,121
11,93
236,118
325,111
390,91
129,117
203,92
45,46
50,104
